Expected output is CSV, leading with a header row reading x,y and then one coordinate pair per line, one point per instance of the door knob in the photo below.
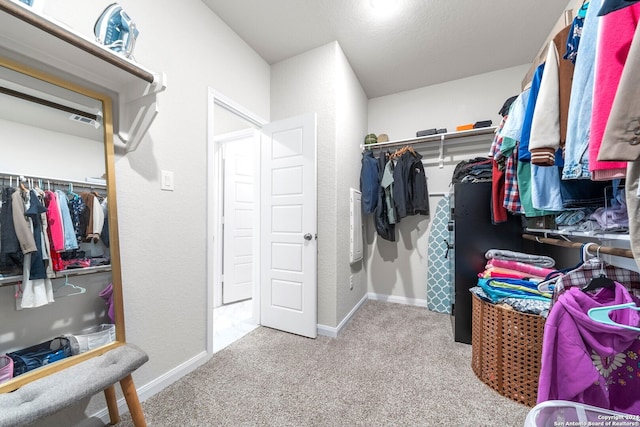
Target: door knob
x,y
308,236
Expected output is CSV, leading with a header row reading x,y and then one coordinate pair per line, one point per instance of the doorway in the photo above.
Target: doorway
x,y
277,204
232,221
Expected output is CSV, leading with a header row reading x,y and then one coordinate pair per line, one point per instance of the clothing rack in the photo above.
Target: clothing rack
x,y
626,253
53,181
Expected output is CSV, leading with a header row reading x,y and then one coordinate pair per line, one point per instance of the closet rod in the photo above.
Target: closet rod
x,y
59,181
433,138
626,253
47,103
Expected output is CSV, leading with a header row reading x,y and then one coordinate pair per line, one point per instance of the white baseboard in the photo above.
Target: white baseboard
x,y
332,332
398,300
159,384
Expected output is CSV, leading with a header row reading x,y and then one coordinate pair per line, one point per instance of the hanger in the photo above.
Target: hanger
x,y
80,289
602,281
21,181
601,314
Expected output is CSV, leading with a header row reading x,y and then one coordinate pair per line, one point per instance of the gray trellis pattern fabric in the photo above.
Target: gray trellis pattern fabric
x,y
438,272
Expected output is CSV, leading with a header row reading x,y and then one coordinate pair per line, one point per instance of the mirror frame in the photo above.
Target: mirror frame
x,y
116,274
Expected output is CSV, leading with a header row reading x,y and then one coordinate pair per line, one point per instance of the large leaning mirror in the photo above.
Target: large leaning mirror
x,y
60,286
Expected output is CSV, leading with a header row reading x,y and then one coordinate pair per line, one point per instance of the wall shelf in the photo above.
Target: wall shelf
x,y
38,41
439,137
601,235
12,280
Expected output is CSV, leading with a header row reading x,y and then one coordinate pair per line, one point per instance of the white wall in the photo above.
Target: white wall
x,y
351,125
399,268
30,150
163,234
321,81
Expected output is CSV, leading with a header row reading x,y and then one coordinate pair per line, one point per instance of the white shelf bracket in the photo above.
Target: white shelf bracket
x,y
441,157
136,113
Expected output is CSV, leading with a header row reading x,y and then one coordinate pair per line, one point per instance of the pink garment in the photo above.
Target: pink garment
x,y
497,272
54,221
520,266
614,40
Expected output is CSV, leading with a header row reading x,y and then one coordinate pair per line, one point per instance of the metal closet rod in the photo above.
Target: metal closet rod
x,y
626,253
58,181
47,103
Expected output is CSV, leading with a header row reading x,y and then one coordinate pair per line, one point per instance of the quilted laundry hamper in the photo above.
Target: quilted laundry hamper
x,y
506,350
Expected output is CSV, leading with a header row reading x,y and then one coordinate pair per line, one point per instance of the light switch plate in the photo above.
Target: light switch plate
x,y
167,181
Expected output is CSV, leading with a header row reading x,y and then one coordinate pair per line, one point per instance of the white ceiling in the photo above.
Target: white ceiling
x,y
424,42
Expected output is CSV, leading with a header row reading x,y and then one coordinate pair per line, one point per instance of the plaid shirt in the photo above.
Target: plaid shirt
x,y
511,192
582,275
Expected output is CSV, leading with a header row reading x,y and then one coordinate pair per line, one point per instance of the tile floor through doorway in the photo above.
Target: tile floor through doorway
x,y
231,322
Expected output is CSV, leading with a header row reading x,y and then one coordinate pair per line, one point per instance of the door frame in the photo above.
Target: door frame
x,y
214,204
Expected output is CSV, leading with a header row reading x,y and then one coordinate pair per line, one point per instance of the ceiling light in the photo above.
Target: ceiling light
x,y
384,6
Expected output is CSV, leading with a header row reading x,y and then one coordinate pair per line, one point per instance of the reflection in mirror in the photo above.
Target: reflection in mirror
x,y
55,253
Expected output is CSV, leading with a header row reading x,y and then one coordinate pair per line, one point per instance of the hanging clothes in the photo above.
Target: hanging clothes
x,y
549,125
498,211
524,172
614,39
369,182
385,229
387,185
37,268
589,362
576,159
9,243
612,5
21,223
54,221
70,241
410,192
511,135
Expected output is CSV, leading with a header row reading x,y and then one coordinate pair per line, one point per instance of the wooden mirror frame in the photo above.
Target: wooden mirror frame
x,y
116,276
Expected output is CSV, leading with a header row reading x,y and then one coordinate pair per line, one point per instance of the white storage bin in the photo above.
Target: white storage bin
x,y
93,337
564,413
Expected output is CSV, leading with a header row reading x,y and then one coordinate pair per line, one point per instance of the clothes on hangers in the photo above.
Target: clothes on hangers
x,y
400,186
498,211
615,34
589,362
369,182
581,275
384,229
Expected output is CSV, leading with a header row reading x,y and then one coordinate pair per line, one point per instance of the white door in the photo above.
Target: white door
x,y
288,226
238,217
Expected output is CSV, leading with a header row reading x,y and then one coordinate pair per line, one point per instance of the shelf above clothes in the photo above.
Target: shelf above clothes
x,y
37,41
439,137
482,135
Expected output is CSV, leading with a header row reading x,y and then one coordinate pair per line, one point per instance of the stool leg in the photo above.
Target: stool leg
x,y
131,396
112,404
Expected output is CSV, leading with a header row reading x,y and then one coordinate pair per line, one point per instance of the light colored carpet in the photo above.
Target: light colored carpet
x,y
392,365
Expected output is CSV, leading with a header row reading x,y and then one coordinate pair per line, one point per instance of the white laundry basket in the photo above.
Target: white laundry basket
x,y
564,413
93,337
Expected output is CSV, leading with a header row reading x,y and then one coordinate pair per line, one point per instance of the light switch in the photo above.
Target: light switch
x,y
167,181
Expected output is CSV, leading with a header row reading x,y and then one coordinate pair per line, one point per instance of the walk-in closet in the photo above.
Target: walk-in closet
x,y
364,212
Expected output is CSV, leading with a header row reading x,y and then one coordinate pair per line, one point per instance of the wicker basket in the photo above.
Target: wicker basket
x,y
506,350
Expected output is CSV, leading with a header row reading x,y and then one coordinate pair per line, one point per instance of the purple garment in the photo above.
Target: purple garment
x,y
107,295
589,362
